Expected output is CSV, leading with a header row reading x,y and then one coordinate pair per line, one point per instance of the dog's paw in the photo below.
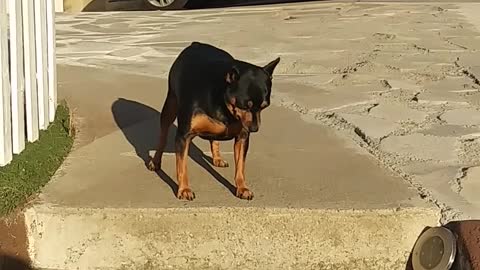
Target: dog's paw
x,y
153,166
218,162
244,193
185,194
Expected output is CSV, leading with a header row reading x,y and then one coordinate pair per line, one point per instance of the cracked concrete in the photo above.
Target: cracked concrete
x,y
462,117
397,82
421,147
104,210
470,183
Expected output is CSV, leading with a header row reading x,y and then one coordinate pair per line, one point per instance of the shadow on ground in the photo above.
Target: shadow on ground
x,y
197,4
11,263
139,5
117,5
128,114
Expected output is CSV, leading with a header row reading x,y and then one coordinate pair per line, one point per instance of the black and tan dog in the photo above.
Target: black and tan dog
x,y
217,98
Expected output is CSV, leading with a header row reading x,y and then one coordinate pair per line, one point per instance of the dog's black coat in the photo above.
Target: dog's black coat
x,y
197,78
215,97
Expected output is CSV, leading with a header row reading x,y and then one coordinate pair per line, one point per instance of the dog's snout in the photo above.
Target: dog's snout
x,y
255,124
253,128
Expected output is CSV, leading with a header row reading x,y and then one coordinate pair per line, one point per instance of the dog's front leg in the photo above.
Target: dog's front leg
x,y
218,161
182,143
240,153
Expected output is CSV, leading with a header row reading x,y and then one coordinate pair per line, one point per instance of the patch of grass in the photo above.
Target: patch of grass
x,y
32,169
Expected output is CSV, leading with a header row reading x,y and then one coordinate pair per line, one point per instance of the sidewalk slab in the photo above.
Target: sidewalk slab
x,y
348,59
320,200
291,163
333,197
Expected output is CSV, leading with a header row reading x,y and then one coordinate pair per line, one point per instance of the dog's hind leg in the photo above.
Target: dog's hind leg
x,y
167,116
217,161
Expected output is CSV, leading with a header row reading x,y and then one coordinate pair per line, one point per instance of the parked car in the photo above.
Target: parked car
x,y
166,4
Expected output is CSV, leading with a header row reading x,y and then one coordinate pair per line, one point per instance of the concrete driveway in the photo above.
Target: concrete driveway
x,y
397,79
375,109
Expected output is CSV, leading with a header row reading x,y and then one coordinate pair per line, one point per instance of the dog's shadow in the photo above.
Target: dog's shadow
x,y
140,124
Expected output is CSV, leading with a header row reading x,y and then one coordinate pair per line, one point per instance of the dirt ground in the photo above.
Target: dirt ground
x,y
13,243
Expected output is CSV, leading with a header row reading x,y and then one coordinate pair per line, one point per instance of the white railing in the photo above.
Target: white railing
x,y
28,83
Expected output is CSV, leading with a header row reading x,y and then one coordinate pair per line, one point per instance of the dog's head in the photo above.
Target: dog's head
x,y
248,92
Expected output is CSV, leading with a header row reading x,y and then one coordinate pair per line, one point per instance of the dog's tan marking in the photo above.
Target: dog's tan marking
x,y
240,151
218,161
202,124
184,191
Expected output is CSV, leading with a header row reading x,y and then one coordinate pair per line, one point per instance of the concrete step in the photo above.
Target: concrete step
x,y
223,238
104,210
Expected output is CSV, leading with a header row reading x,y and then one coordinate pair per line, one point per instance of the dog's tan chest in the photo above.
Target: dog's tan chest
x,y
203,125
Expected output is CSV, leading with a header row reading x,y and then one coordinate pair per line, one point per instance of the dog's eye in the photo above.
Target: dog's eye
x,y
250,104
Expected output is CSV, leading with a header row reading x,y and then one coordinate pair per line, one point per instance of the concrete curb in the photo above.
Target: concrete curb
x,y
223,238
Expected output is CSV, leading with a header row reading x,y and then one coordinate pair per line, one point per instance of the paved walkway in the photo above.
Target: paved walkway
x,y
321,201
398,81
292,163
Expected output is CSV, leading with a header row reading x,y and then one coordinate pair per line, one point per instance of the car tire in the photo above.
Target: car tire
x,y
165,4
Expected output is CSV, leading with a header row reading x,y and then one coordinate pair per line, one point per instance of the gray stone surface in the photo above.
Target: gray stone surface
x,y
291,163
373,127
471,184
462,117
374,108
410,69
317,195
397,112
449,130
422,147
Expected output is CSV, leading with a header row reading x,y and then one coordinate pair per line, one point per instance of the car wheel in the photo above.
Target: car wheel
x,y
165,4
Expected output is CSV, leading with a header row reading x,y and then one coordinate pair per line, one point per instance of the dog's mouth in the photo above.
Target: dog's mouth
x,y
246,126
250,121
253,129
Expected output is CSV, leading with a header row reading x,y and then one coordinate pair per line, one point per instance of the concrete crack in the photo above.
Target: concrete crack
x,y
384,36
372,106
415,97
387,160
455,44
467,72
385,84
365,60
351,68
471,76
456,184
422,49
361,134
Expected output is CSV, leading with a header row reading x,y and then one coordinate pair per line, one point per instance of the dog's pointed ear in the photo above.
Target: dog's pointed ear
x,y
270,67
232,75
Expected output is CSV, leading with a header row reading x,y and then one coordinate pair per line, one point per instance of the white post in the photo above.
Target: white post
x,y
17,81
6,154
52,60
31,94
58,5
41,50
